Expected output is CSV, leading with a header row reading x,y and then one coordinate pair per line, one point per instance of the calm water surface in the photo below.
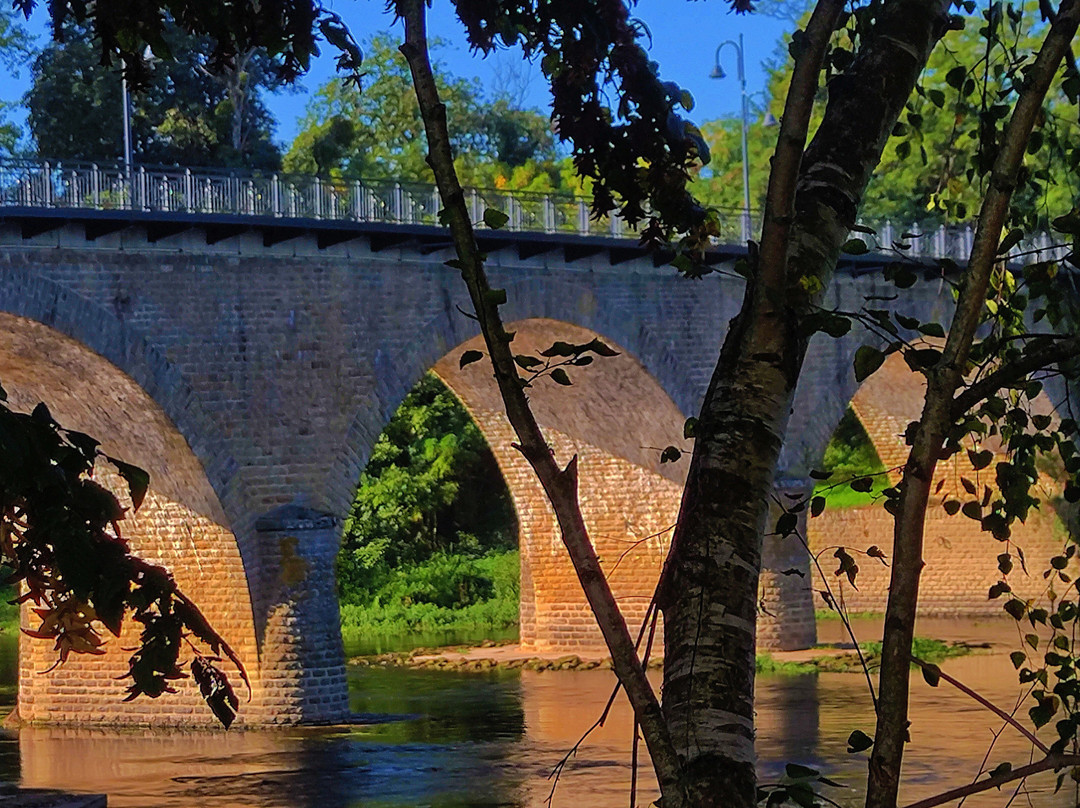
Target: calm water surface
x,y
492,739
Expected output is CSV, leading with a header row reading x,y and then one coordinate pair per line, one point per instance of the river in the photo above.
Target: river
x,y
491,739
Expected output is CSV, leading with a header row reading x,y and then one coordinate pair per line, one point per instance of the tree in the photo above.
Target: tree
x,y
15,48
638,154
375,131
416,496
189,112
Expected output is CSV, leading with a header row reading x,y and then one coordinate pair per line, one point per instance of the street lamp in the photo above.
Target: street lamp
x,y
718,73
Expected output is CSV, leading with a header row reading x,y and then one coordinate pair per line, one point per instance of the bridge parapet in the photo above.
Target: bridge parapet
x,y
51,185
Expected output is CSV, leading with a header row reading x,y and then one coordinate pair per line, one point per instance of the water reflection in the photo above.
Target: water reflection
x,y
491,740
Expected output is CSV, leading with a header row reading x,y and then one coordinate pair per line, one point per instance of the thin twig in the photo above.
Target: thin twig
x,y
989,705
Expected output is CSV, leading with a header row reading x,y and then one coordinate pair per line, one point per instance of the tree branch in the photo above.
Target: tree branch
x,y
989,705
996,781
1039,359
560,485
791,143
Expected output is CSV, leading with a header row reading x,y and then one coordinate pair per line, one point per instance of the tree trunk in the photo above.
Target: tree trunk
x,y
939,413
709,596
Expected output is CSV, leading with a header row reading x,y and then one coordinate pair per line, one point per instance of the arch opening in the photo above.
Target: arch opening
x,y
961,560
180,525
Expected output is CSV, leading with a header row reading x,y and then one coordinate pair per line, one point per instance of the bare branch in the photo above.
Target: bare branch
x,y
996,781
1040,358
989,705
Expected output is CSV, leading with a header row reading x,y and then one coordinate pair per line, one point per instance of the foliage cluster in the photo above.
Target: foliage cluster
x,y
850,454
183,113
60,539
445,593
375,131
430,504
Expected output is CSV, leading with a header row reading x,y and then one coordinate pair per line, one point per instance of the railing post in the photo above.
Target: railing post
x,y
95,184
886,236
474,206
46,185
317,200
583,218
396,203
275,196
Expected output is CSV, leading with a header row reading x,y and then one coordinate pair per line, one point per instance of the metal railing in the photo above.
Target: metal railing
x,y
91,186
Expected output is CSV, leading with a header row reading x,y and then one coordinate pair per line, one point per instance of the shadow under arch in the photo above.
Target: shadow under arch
x,y
181,525
961,560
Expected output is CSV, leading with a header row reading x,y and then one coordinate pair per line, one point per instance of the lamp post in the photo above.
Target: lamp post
x,y
127,118
718,73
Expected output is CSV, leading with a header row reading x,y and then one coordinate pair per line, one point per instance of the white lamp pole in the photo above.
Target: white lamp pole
x,y
127,118
718,73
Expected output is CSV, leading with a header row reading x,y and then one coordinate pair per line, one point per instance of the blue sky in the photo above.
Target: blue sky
x,y
685,36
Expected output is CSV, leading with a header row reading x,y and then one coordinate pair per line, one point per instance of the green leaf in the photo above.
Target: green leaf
x,y
932,330
469,357
688,428
787,523
867,360
600,348
798,772
526,362
817,506
138,480
495,219
1014,237
495,296
1017,658
955,77
859,741
855,246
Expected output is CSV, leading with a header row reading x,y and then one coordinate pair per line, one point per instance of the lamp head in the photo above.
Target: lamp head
x,y
717,72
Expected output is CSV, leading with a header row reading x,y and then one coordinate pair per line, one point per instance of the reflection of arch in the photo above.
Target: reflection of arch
x,y
961,560
181,524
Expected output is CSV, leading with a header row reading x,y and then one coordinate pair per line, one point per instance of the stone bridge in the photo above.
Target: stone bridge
x,y
250,365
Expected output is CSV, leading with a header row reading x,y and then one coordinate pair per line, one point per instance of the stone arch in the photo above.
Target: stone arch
x,y
26,294
181,525
617,417
961,559
396,372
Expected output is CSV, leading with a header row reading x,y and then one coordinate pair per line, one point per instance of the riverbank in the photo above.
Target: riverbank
x,y
488,656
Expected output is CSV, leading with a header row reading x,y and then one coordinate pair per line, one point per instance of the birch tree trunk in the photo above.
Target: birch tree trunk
x,y
709,595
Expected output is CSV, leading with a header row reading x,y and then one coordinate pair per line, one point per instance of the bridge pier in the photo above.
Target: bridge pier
x,y
785,594
302,670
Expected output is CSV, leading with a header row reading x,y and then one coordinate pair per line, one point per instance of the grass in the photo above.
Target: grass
x,y
829,615
405,607
926,649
